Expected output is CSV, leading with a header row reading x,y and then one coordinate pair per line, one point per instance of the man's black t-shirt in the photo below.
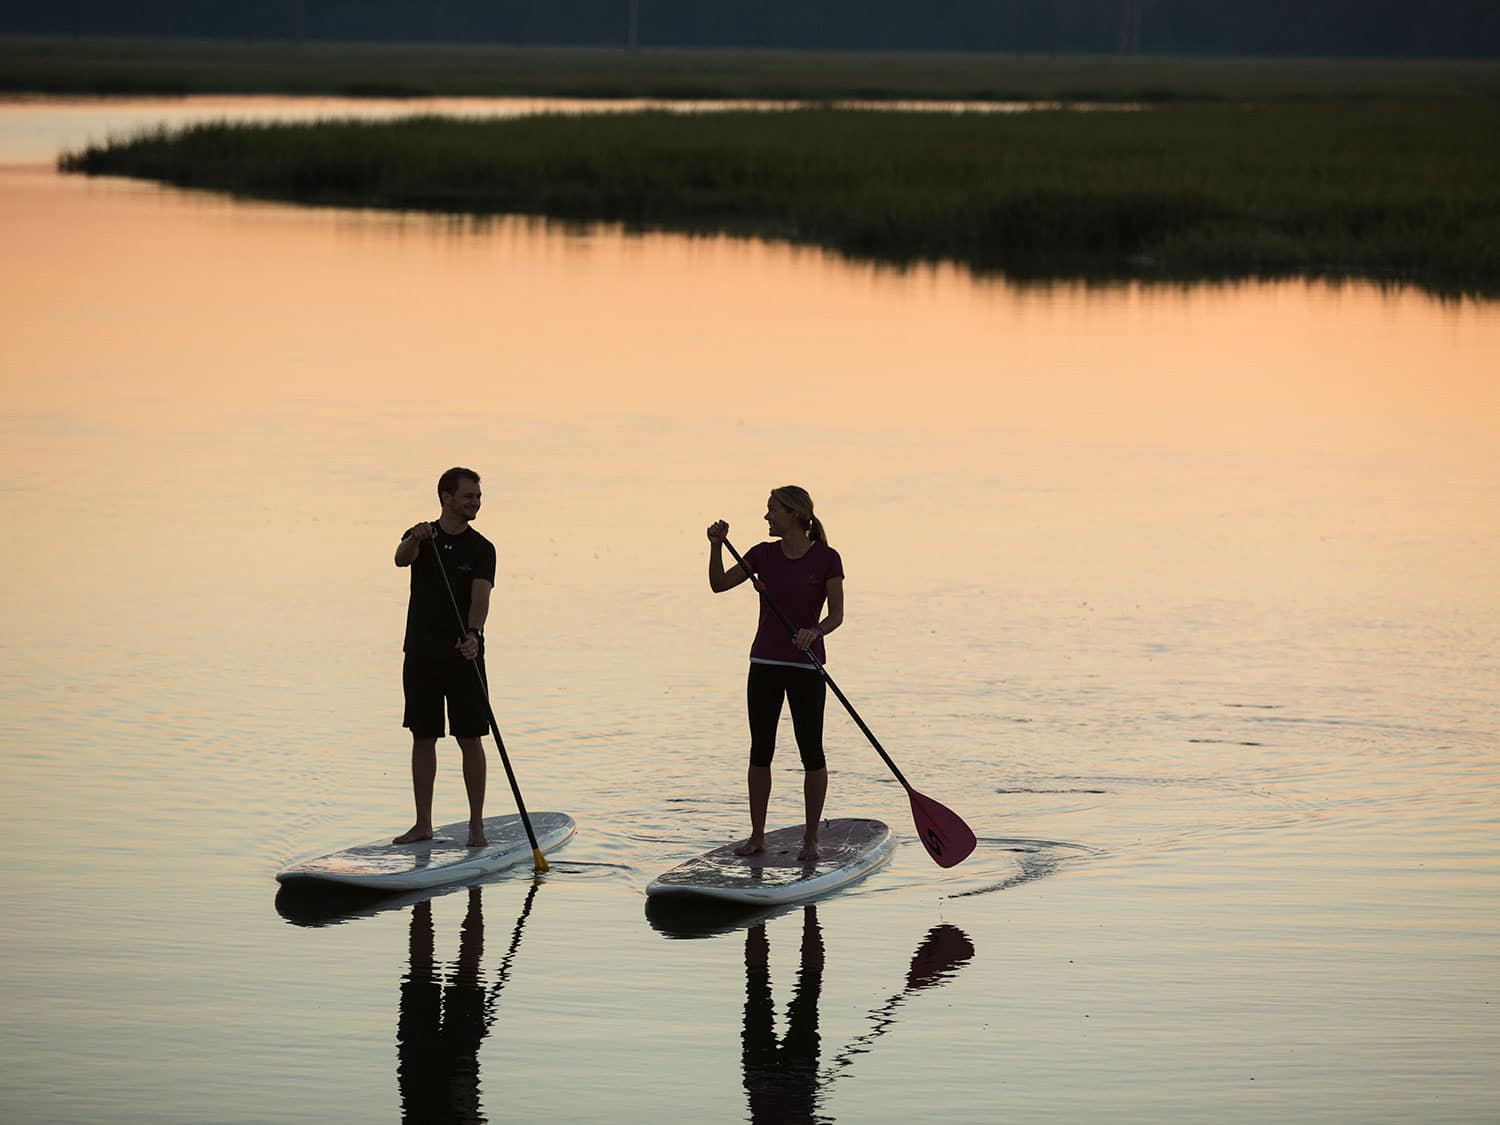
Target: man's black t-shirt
x,y
431,627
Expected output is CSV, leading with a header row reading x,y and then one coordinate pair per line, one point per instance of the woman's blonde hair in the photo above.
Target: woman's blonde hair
x,y
797,501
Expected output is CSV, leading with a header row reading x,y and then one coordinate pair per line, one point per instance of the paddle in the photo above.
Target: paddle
x,y
492,997
537,858
942,831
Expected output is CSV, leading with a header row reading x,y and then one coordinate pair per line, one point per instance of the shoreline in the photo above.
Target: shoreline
x,y
1392,193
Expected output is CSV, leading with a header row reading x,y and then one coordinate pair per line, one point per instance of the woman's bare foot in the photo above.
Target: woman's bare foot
x,y
476,836
809,849
413,834
754,845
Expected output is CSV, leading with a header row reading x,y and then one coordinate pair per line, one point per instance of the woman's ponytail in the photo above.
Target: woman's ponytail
x,y
795,499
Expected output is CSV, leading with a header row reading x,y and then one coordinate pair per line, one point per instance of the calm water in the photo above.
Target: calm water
x,y
1187,600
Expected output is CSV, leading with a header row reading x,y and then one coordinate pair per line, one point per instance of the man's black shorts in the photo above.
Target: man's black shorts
x,y
428,680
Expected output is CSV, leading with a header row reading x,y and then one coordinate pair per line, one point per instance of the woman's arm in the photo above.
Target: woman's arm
x,y
834,589
835,615
718,580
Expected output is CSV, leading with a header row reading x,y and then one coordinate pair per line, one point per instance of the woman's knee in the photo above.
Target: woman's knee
x,y
813,759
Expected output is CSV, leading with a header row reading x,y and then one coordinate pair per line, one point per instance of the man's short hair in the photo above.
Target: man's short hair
x,y
449,481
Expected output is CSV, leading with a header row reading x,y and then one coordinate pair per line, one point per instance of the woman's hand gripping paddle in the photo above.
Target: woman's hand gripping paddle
x,y
942,831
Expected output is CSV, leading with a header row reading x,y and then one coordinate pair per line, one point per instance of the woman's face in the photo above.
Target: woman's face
x,y
781,521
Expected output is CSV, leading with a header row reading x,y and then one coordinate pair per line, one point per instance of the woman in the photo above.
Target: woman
x,y
800,573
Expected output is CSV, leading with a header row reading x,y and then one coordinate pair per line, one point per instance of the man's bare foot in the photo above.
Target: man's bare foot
x,y
476,837
809,850
413,834
752,846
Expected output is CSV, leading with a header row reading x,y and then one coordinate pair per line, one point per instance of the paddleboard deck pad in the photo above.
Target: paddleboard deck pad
x,y
849,849
446,858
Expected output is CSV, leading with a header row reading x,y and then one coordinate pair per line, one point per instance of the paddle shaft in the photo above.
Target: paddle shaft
x,y
484,694
822,671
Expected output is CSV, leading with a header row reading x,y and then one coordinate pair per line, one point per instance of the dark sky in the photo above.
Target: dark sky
x,y
1373,28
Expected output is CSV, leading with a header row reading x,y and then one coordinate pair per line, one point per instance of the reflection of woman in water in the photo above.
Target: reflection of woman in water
x,y
441,1024
781,1079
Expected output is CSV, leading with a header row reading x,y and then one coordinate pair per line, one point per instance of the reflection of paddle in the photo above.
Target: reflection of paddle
x,y
484,693
944,951
942,831
502,974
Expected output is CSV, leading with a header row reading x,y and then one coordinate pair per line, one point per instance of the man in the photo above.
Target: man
x,y
439,665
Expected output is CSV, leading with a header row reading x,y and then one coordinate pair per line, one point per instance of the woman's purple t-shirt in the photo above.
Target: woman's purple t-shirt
x,y
799,587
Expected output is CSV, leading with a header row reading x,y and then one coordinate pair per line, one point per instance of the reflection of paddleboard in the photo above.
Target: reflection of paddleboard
x,y
315,903
850,849
685,916
384,866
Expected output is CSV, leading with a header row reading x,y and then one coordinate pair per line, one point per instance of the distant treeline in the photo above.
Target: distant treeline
x,y
1348,28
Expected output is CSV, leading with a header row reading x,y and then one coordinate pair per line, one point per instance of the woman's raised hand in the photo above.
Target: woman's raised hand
x,y
718,531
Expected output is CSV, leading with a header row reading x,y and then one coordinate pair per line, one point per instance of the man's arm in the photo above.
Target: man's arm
x,y
479,609
479,603
411,543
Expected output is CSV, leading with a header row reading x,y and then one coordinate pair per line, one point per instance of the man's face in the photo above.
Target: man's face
x,y
464,500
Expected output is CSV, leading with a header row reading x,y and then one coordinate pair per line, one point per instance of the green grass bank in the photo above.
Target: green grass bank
x,y
1394,192
177,67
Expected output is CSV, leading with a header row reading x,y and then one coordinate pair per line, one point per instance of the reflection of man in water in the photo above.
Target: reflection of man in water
x,y
781,1079
441,1024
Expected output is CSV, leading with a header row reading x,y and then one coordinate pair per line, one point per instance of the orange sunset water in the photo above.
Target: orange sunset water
x,y
1186,598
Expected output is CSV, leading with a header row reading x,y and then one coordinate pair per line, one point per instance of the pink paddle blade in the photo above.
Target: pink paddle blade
x,y
942,831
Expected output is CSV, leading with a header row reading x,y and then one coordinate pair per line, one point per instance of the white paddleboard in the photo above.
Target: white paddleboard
x,y
849,850
446,858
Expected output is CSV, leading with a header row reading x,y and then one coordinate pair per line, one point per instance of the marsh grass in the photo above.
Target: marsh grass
x,y
138,67
1396,192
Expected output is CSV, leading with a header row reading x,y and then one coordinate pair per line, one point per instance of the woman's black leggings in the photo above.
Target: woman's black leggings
x,y
805,690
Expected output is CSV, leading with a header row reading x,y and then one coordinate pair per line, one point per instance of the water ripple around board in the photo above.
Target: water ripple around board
x,y
1032,863
997,863
1137,816
589,869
